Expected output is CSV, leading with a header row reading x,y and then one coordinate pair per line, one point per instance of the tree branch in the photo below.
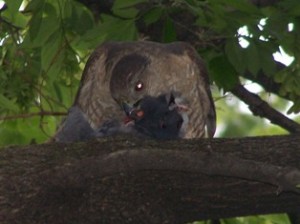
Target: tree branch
x,y
260,108
41,113
125,180
207,163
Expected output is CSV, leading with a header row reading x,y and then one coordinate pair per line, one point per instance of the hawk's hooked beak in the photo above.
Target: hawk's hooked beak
x,y
133,112
128,109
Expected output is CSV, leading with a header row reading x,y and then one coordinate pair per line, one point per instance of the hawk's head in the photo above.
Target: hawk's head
x,y
130,80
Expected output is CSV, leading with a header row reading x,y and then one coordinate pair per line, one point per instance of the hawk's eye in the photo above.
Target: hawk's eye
x,y
139,86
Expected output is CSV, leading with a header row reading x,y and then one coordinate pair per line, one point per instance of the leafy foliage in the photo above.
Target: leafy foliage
x,y
44,46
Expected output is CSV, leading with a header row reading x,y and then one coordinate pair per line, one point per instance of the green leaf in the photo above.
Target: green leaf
x,y
34,26
9,133
81,20
13,5
295,108
35,6
231,221
169,33
289,83
235,54
57,91
277,24
223,73
8,104
252,58
290,6
117,29
266,50
126,8
89,40
297,84
13,15
16,18
24,131
43,24
201,17
244,6
66,9
51,50
153,15
281,76
278,218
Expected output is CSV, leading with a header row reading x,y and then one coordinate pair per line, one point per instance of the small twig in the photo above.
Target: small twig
x,y
261,108
42,113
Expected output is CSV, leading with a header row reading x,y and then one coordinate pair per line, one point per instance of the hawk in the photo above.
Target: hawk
x,y
124,73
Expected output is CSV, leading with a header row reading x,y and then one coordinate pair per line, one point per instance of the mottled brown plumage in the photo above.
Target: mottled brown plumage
x,y
119,72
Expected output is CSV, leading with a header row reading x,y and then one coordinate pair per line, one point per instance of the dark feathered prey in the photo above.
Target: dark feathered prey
x,y
154,117
157,117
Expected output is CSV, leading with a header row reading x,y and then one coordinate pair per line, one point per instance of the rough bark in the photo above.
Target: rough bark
x,y
121,180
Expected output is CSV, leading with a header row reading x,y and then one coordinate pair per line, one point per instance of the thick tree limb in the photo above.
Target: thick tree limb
x,y
207,163
262,109
142,181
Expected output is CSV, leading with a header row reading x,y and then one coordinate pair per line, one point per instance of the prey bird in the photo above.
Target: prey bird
x,y
151,117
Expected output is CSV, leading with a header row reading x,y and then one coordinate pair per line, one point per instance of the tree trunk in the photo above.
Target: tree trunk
x,y
128,180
